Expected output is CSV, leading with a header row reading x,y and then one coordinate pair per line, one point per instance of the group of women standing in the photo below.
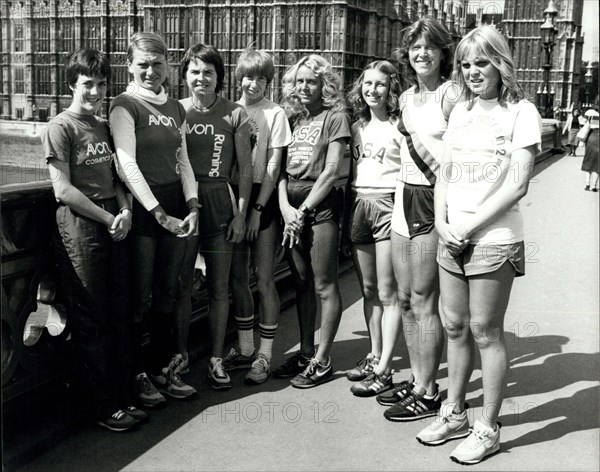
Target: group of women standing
x,y
433,214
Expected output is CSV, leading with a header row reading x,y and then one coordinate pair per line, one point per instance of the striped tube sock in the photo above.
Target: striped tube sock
x,y
245,334
267,334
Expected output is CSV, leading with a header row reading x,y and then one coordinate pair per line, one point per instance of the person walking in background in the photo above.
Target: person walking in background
x,y
372,181
426,55
571,128
218,139
493,136
270,134
93,220
308,204
147,128
589,164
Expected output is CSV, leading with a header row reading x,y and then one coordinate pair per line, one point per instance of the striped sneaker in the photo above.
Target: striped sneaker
x,y
396,394
363,368
414,407
372,385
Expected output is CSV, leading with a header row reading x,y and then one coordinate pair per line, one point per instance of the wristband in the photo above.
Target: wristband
x,y
191,206
121,210
258,207
304,209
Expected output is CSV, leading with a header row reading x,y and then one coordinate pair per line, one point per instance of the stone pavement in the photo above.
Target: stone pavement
x,y
550,417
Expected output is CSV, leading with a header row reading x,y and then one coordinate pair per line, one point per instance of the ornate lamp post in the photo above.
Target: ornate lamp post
x,y
588,80
545,97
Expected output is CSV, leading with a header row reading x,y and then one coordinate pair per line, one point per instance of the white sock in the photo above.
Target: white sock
x,y
245,329
267,335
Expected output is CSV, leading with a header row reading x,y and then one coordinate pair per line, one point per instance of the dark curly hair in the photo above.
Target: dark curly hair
x,y
355,96
435,34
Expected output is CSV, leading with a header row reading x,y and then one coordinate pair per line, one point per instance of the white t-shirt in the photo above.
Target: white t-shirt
x,y
482,141
269,129
375,156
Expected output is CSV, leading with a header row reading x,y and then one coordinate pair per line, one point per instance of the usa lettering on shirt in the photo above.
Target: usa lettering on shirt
x,y
369,151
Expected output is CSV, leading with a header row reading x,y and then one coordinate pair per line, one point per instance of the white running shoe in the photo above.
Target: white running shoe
x,y
482,442
446,426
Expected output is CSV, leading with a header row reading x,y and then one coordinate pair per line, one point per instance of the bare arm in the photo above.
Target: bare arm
x,y
514,188
324,184
447,233
266,189
74,198
237,228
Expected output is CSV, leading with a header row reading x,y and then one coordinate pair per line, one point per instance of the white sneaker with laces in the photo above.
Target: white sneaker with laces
x,y
219,379
260,370
482,442
447,425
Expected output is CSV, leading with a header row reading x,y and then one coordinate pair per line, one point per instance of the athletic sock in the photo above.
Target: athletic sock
x,y
267,334
245,329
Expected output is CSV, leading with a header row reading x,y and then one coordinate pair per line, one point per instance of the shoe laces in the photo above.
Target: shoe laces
x,y
145,384
233,353
311,367
260,364
176,361
476,438
217,368
117,415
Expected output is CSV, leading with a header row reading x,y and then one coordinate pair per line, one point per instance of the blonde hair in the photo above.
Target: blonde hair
x,y
488,42
332,96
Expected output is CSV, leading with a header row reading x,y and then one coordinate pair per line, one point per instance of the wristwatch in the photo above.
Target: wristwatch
x,y
258,207
304,209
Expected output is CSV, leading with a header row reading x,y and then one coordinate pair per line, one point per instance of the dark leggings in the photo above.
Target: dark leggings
x,y
156,263
94,274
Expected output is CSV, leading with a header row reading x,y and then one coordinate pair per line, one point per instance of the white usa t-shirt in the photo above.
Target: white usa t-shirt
x,y
482,141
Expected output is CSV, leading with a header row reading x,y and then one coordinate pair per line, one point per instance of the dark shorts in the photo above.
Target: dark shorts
x,y
483,258
413,212
271,210
170,197
328,209
217,208
371,218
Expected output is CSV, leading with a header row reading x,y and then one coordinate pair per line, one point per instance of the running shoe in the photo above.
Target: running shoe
x,y
396,394
446,426
314,374
293,366
137,414
372,385
236,360
170,383
363,368
118,421
414,407
259,372
184,366
147,394
219,379
481,443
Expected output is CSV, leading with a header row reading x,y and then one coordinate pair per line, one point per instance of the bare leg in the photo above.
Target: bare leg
x,y
454,290
217,253
489,295
324,260
366,270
